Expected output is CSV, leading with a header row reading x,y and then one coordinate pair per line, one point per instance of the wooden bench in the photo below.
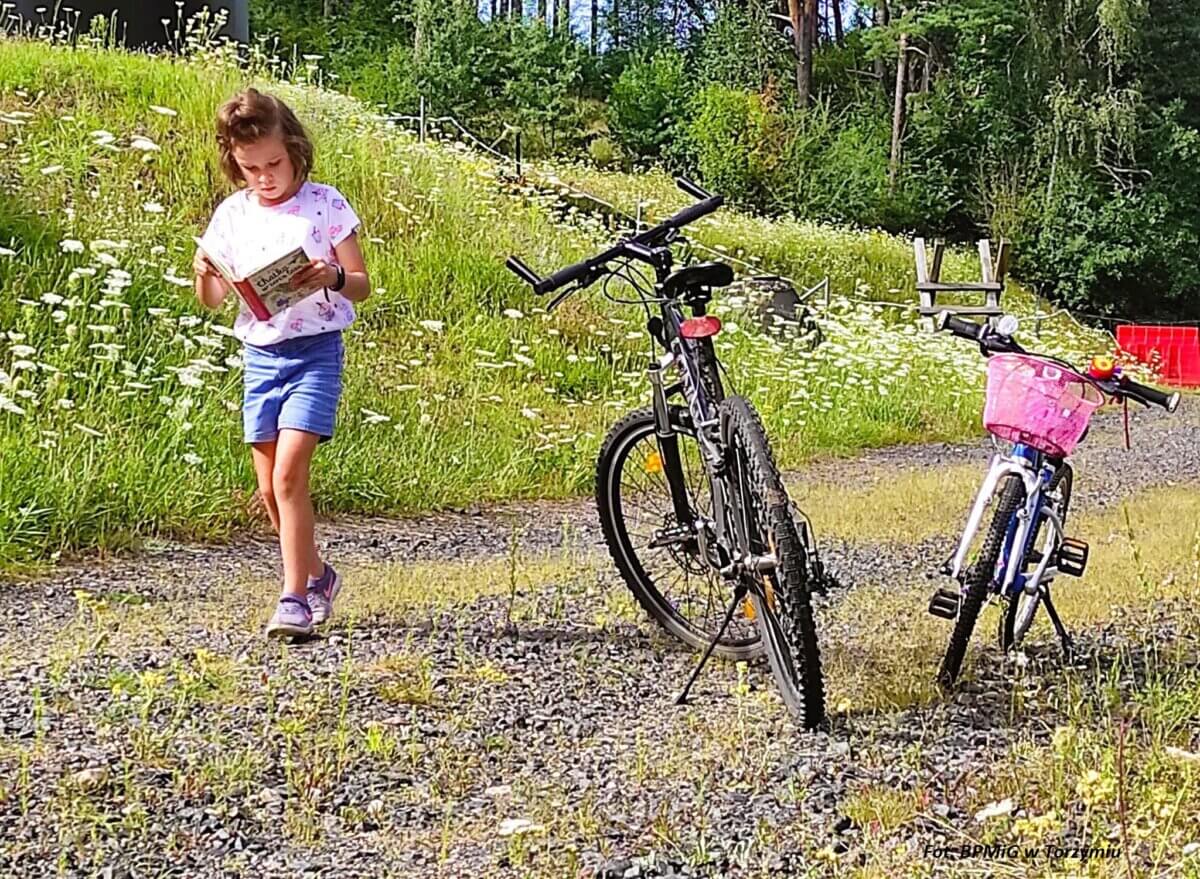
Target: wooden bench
x,y
930,284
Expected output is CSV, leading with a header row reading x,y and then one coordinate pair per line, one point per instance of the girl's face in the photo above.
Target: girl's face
x,y
267,167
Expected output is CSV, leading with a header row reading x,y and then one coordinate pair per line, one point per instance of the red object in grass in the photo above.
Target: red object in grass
x,y
700,327
1174,352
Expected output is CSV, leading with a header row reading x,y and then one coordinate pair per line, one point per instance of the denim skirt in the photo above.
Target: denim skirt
x,y
292,384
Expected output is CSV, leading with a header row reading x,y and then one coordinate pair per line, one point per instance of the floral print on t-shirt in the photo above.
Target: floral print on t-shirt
x,y
244,234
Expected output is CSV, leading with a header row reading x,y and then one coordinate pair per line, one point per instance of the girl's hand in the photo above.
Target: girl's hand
x,y
316,274
203,268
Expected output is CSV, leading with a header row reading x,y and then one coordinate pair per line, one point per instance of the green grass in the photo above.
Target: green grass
x,y
119,395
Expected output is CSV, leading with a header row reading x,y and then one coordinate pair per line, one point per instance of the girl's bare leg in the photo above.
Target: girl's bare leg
x,y
289,481
264,464
264,455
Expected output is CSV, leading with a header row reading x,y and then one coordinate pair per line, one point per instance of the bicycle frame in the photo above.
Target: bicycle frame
x,y
681,352
1035,473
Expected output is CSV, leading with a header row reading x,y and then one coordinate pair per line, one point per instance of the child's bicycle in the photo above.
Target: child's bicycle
x,y
692,507
1042,406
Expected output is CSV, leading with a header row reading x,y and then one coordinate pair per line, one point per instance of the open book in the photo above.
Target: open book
x,y
265,290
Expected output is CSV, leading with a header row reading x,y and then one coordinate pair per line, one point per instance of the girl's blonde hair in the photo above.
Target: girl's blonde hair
x,y
251,115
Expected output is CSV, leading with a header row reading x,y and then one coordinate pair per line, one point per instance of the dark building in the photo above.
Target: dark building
x,y
139,22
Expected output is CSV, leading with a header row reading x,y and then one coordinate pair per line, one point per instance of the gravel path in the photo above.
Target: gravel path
x,y
400,746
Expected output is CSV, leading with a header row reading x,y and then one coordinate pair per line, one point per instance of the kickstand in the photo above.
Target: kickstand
x,y
738,595
1068,645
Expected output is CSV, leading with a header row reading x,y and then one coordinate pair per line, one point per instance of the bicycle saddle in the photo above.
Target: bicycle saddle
x,y
704,274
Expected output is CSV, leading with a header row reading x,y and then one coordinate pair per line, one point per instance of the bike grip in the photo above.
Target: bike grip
x,y
694,212
692,189
561,278
967,329
1170,402
522,271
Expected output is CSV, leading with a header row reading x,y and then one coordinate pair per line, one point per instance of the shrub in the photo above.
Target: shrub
x,y
649,103
604,152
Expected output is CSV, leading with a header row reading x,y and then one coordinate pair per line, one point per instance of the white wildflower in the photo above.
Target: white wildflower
x,y
513,313
374,417
70,245
163,111
994,810
140,142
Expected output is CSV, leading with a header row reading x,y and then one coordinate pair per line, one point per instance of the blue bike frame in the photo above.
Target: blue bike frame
x,y
1035,473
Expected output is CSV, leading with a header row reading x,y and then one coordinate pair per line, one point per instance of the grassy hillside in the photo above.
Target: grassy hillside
x,y
119,395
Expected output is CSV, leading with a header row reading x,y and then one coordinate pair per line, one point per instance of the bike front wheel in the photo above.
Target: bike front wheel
x,y
760,518
980,577
669,578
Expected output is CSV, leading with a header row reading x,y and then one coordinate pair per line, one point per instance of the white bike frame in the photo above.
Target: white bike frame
x,y
1036,506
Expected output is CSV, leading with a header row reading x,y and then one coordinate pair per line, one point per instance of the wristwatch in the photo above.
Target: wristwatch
x,y
341,279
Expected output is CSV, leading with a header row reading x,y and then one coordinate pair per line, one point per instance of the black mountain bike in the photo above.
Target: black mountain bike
x,y
691,503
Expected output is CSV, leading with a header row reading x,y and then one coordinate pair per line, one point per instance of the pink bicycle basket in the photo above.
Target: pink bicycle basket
x,y
1038,402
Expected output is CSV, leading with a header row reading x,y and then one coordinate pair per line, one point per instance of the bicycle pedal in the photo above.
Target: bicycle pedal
x,y
1072,557
944,603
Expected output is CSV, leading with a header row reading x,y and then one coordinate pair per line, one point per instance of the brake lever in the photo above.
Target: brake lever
x,y
585,281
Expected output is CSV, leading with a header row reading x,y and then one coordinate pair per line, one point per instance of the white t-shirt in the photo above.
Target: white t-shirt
x,y
244,233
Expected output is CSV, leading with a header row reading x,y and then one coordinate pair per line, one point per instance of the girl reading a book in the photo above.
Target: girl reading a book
x,y
293,360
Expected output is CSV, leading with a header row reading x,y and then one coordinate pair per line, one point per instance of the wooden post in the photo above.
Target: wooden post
x,y
922,264
518,153
1002,261
985,260
926,296
939,249
421,121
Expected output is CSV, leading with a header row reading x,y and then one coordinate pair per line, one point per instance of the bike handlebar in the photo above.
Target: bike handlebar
x,y
581,271
1170,402
993,342
989,340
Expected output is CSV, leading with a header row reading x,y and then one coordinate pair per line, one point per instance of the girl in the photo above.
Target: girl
x,y
293,362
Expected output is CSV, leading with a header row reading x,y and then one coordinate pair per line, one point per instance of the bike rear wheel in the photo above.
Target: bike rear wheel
x,y
673,584
761,523
980,577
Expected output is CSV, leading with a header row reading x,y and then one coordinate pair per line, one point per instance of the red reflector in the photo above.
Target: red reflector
x,y
700,327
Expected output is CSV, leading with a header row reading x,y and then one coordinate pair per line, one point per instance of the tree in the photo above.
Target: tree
x,y
899,108
803,14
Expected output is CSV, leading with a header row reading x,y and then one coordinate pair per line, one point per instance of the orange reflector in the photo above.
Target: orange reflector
x,y
1102,367
700,327
653,463
748,608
